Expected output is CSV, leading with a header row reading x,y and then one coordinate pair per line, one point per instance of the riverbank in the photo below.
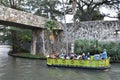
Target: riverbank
x,y
39,56
28,56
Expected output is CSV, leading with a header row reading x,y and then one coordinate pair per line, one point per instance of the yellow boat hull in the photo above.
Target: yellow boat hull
x,y
88,64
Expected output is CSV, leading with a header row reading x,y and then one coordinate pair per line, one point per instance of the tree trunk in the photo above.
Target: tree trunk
x,y
51,37
65,27
74,22
43,42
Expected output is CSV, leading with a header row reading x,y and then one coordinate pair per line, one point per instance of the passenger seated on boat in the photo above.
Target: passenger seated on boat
x,y
75,56
79,57
83,56
71,55
104,54
88,56
67,56
56,55
62,56
52,55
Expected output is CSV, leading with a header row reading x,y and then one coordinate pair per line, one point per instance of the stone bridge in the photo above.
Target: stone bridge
x,y
19,19
15,18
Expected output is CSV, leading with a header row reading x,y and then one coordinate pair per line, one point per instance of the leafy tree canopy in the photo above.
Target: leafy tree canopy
x,y
85,9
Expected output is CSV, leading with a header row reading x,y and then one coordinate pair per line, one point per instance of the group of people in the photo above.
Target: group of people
x,y
71,56
80,57
74,56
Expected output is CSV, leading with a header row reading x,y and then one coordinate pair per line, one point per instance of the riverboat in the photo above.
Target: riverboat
x,y
102,64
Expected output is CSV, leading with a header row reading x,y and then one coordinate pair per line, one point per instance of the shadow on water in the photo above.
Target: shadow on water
x,y
25,69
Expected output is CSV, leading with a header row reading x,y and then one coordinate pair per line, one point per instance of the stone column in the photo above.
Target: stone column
x,y
33,45
40,42
43,42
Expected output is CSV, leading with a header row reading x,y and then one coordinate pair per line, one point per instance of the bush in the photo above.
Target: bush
x,y
85,46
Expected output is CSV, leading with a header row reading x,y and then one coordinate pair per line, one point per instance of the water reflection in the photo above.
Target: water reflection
x,y
77,74
25,69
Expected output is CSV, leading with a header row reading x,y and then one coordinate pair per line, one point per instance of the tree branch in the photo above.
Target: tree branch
x,y
2,2
11,4
84,2
80,7
91,2
100,3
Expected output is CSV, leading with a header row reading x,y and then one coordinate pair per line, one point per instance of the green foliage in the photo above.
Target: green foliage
x,y
113,50
70,1
5,34
50,25
22,36
15,4
25,35
95,15
95,47
43,7
84,46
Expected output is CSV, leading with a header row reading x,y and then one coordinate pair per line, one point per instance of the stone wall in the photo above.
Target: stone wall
x,y
100,30
50,47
